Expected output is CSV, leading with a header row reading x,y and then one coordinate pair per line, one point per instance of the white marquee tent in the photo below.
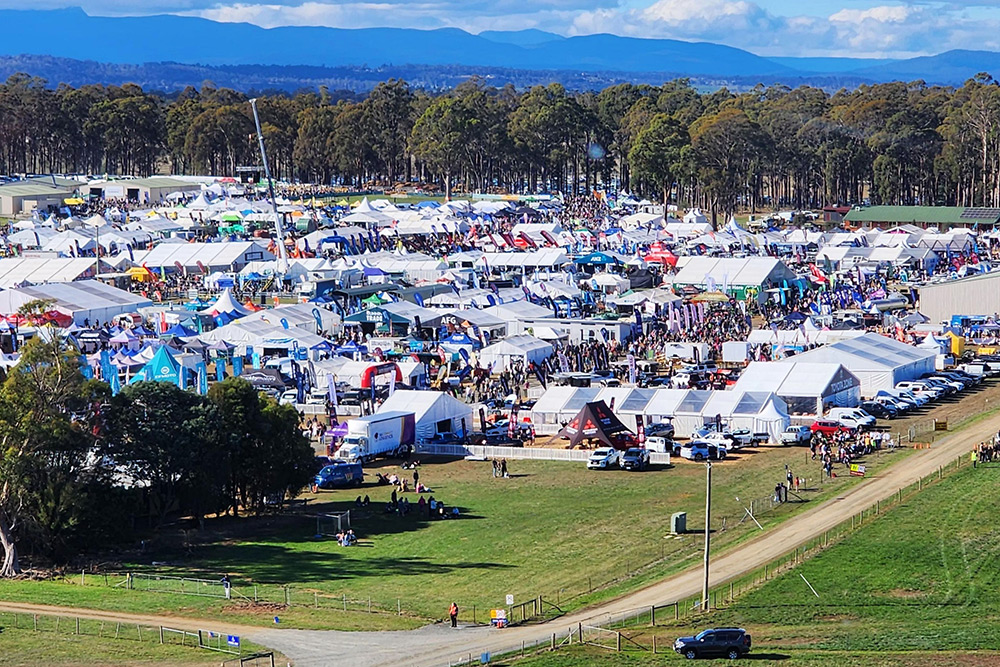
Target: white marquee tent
x,y
434,412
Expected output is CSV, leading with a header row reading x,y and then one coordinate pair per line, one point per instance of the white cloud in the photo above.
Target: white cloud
x,y
883,14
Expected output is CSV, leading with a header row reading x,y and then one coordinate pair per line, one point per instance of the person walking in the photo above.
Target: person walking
x,y
227,586
975,458
416,478
453,613
503,468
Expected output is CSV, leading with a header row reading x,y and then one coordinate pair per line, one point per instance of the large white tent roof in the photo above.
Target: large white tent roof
x,y
89,299
791,379
19,270
188,255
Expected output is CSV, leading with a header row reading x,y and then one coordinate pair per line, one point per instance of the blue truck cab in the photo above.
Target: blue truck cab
x,y
340,474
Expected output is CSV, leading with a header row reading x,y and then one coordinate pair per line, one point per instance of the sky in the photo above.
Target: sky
x,y
848,28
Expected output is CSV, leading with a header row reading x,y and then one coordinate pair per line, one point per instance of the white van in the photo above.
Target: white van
x,y
853,417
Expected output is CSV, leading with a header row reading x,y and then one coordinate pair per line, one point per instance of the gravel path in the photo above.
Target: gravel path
x,y
437,645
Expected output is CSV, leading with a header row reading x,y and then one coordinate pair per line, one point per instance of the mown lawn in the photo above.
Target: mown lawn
x,y
552,529
916,587
21,646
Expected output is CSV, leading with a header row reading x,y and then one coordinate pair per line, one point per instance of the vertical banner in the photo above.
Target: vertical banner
x,y
255,360
640,430
220,370
237,366
392,382
631,368
202,379
116,385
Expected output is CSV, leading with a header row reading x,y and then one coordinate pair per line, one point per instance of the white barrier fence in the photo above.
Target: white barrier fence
x,y
516,453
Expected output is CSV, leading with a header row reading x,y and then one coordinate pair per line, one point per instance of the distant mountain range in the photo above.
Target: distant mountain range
x,y
173,51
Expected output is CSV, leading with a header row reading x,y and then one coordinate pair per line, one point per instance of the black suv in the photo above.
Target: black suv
x,y
732,643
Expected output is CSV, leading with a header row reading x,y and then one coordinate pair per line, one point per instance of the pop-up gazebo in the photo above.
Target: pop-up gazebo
x,y
595,421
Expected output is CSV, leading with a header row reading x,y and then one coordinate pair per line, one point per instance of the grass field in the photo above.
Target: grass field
x,y
917,587
552,529
29,649
43,639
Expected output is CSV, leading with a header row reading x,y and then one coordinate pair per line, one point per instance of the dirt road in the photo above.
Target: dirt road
x,y
436,646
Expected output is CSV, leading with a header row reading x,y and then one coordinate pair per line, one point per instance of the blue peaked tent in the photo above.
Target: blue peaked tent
x,y
598,258
163,367
180,331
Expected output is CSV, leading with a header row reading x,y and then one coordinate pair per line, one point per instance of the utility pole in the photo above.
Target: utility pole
x,y
708,517
279,237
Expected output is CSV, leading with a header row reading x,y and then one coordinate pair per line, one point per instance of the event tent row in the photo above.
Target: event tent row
x,y
688,409
20,270
230,256
84,300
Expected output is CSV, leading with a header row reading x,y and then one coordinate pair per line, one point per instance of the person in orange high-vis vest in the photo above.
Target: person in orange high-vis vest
x,y
453,612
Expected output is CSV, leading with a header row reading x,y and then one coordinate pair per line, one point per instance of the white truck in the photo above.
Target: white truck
x,y
382,434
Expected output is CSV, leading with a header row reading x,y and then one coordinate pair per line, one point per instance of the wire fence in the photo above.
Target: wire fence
x,y
643,559
120,631
617,632
243,592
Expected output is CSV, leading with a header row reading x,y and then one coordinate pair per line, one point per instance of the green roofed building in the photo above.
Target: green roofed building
x,y
35,193
942,217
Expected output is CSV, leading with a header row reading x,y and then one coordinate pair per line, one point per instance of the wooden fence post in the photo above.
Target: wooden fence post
x,y
161,634
677,612
652,615
654,644
553,641
618,641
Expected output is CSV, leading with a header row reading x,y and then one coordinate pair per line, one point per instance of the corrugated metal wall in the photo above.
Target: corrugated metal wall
x,y
975,296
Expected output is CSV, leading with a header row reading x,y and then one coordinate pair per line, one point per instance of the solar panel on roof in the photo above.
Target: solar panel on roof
x,y
980,214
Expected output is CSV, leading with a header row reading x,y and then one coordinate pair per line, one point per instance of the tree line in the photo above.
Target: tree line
x,y
82,470
894,143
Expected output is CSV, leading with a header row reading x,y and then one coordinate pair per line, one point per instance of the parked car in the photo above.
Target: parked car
x,y
950,385
828,427
746,438
700,450
661,429
635,458
879,410
921,388
796,435
726,439
495,440
288,397
660,444
338,474
603,458
854,418
732,643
